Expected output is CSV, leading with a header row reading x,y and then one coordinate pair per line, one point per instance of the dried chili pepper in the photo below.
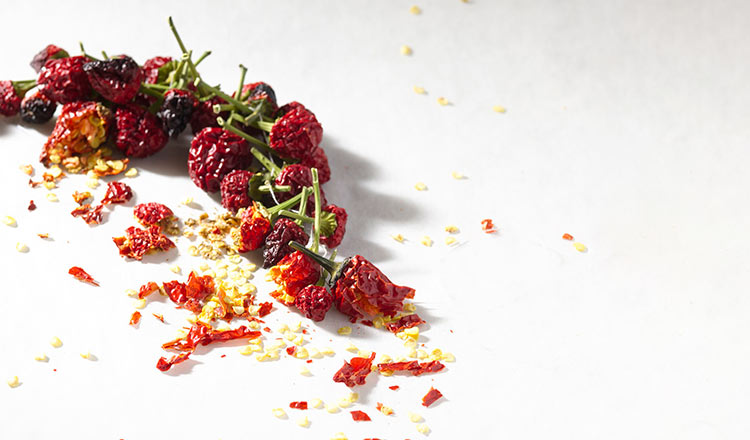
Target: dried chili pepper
x,y
318,159
355,371
82,275
138,242
414,367
254,226
314,302
293,273
151,68
487,226
214,153
79,131
431,397
116,79
277,241
51,52
296,134
333,240
403,322
359,288
37,108
298,405
138,133
135,318
164,365
265,309
64,81
360,416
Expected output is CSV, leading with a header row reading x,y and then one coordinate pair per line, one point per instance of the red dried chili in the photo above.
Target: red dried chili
x,y
138,242
135,318
292,274
82,275
487,226
163,364
117,192
414,367
291,350
404,322
360,416
298,405
152,214
355,371
431,397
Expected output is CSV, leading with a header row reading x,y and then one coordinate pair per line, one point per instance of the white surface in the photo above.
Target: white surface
x,y
626,127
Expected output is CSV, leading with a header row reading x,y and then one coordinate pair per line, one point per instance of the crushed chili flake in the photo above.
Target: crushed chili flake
x,y
355,371
82,275
360,416
394,387
267,329
291,350
405,322
135,318
159,317
567,236
43,236
147,289
164,365
81,197
117,192
265,308
202,334
431,397
138,242
92,216
298,405
32,205
487,226
414,367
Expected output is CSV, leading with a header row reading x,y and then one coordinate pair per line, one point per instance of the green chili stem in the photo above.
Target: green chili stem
x,y
316,225
298,217
275,188
148,91
283,205
228,126
243,71
327,264
83,51
266,162
265,126
303,204
202,57
177,35
104,54
237,104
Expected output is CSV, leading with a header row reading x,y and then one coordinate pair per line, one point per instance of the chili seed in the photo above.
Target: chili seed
x,y
406,50
304,371
332,408
450,240
419,186
415,10
420,90
427,241
10,221
352,348
131,172
415,418
140,303
52,197
456,175
13,382
41,357
27,169
398,237
316,403
423,429
21,247
448,357
346,330
55,342
303,422
443,101
279,413
498,109
339,436
580,247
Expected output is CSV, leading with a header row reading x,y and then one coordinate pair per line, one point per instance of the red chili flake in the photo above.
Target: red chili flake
x,y
163,364
43,236
487,226
254,227
394,387
367,322
355,371
267,329
298,405
135,318
117,192
567,236
151,214
81,275
291,350
265,309
404,322
81,197
309,361
431,397
32,206
202,334
147,289
414,367
92,216
159,317
223,355
138,242
190,295
360,416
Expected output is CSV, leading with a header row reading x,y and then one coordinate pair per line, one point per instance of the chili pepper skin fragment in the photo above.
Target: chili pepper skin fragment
x,y
394,387
431,397
567,236
138,242
164,365
405,322
355,371
298,405
153,214
117,192
293,273
414,367
487,226
82,275
204,335
51,52
360,416
135,318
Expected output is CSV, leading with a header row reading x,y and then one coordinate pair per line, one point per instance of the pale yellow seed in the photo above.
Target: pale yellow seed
x,y
498,109
410,307
580,247
450,240
352,348
410,344
332,408
55,342
339,436
297,327
412,354
423,429
27,169
21,247
193,251
10,221
247,350
346,330
420,90
301,353
420,186
305,371
50,185
353,397
415,10
252,267
448,357
451,229
175,268
398,237
303,422
316,403
132,172
255,325
378,322
458,176
238,310
344,402
131,292
52,197
92,183
386,410
86,355
427,241
421,354
187,201
315,353
384,358
299,340
414,417
140,303
443,101
13,381
279,413
406,50
328,351
41,357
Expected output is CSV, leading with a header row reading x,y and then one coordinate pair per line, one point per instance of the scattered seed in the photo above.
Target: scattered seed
x,y
86,355
451,229
498,109
55,342
175,268
41,357
450,240
580,247
443,101
346,330
27,169
132,172
279,413
339,436
398,237
427,241
52,197
423,429
458,176
415,418
420,90
21,247
420,186
140,303
406,50
303,422
316,403
416,10
13,382
10,221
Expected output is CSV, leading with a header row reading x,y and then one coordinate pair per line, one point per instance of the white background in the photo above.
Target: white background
x,y
627,126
